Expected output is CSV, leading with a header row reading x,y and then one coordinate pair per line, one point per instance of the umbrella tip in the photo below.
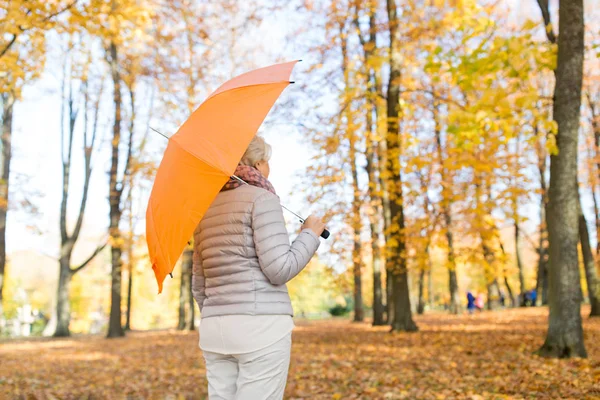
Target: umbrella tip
x,y
300,60
171,274
292,81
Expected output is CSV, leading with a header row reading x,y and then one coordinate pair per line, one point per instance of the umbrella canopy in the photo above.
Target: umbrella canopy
x,y
201,157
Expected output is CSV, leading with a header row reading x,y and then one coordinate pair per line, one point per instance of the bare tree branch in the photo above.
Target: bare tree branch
x,y
128,160
436,96
545,8
90,258
8,45
87,155
46,19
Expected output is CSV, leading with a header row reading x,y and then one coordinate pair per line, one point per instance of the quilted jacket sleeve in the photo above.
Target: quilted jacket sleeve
x,y
279,261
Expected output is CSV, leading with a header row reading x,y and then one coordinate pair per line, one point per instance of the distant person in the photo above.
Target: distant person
x,y
470,302
479,302
502,299
533,297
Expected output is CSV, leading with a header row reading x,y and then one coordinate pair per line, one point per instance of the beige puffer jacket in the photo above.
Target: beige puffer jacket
x,y
243,257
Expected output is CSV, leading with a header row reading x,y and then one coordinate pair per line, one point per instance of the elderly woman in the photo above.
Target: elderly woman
x,y
242,261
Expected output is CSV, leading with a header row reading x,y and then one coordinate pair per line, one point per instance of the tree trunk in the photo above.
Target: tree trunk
x,y
115,328
542,250
374,221
184,290
387,223
377,291
565,331
387,220
355,218
542,272
68,241
63,309
421,303
389,292
6,154
516,218
192,326
129,293
595,120
369,46
509,290
63,304
356,227
356,253
493,301
591,270
490,275
429,288
455,303
519,262
591,274
402,313
506,283
397,245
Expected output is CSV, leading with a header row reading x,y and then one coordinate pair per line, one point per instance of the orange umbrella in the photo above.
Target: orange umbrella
x,y
201,157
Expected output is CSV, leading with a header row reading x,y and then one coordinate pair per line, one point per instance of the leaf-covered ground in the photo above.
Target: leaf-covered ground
x,y
485,356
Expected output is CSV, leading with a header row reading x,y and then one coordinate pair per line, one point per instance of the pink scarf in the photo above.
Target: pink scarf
x,y
251,176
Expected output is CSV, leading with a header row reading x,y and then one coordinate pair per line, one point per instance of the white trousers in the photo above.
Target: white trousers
x,y
258,375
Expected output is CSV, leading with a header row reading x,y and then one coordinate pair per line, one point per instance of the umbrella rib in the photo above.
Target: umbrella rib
x,y
187,151
199,158
282,206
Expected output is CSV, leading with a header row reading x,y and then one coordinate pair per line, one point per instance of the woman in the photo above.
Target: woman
x,y
242,261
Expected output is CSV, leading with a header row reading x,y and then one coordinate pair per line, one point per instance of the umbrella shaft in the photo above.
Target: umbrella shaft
x,y
160,133
282,206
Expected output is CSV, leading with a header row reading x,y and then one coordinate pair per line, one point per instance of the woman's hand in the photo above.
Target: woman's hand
x,y
314,224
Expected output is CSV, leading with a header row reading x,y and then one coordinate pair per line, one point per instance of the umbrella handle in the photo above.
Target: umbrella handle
x,y
325,234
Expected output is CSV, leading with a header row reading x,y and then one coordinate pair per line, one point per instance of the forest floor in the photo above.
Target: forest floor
x,y
484,356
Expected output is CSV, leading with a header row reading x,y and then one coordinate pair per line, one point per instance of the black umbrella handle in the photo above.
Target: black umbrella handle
x,y
325,234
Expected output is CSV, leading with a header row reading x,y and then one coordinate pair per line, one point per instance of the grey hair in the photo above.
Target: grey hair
x,y
258,150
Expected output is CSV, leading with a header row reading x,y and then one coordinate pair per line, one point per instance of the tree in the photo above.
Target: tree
x,y
369,48
115,329
22,52
516,175
396,246
8,101
122,29
23,18
426,228
347,117
194,51
133,65
589,264
68,241
565,332
542,248
446,178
